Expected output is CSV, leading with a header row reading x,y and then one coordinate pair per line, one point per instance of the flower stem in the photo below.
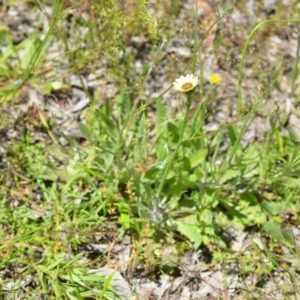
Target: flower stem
x,y
174,154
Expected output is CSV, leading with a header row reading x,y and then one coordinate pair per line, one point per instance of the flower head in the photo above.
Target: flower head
x,y
186,84
214,79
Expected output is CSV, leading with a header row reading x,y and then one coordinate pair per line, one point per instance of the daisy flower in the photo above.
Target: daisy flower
x,y
186,84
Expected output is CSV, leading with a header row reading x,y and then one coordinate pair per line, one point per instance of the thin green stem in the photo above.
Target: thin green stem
x,y
36,56
242,130
174,155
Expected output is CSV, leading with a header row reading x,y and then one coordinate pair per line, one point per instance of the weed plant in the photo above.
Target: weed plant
x,y
161,181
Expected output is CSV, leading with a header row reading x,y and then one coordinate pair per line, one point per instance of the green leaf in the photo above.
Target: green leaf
x,y
109,124
277,233
161,153
273,208
124,219
192,232
232,210
197,158
85,131
71,141
161,111
250,153
230,174
233,134
43,172
30,46
291,182
173,132
56,85
96,173
123,104
106,286
4,29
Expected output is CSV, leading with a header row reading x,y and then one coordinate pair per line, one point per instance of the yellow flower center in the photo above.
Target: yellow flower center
x,y
187,86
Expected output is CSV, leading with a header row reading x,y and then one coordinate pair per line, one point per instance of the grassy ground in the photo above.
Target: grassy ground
x,y
144,173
